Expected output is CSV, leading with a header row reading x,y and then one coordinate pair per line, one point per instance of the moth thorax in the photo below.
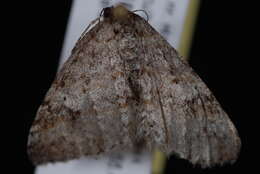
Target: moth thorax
x,y
118,13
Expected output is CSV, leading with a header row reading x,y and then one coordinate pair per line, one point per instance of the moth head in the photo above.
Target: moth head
x,y
117,13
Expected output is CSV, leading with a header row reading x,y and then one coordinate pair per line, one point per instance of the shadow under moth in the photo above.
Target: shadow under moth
x,y
125,86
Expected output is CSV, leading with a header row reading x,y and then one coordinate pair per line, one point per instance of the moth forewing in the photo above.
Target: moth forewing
x,y
124,84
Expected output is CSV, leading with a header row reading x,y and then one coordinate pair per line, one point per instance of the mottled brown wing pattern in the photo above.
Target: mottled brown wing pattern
x,y
85,111
124,86
195,126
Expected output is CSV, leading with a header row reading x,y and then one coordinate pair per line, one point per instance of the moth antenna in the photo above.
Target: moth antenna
x,y
91,23
85,31
147,16
101,14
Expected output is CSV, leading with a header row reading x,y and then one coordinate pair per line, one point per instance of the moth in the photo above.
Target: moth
x,y
125,86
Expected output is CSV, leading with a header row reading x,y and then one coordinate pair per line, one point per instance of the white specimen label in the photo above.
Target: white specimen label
x,y
114,164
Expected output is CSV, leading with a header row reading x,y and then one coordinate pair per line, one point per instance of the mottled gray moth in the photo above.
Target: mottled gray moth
x,y
124,86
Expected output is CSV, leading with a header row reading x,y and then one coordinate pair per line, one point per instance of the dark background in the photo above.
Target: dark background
x,y
36,34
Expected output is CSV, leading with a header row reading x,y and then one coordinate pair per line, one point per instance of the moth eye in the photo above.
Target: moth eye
x,y
107,12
